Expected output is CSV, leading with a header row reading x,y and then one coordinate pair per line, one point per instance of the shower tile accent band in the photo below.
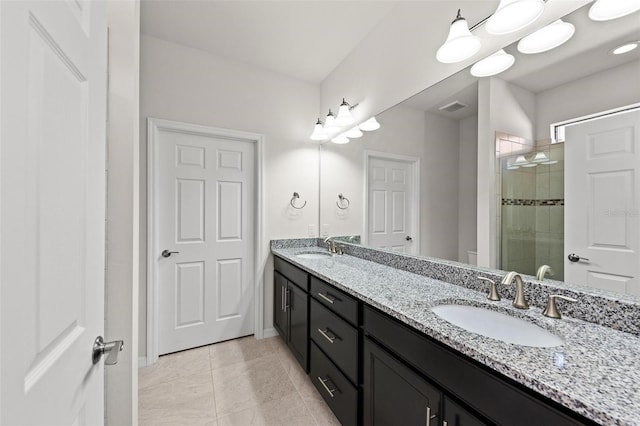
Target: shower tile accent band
x,y
524,202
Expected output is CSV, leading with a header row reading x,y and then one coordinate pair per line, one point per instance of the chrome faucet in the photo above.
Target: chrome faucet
x,y
331,243
543,271
519,301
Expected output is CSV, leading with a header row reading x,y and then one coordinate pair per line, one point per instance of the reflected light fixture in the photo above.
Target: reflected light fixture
x,y
354,133
540,158
460,43
520,161
344,117
492,65
369,125
511,166
547,38
625,48
605,10
330,125
513,15
341,139
318,132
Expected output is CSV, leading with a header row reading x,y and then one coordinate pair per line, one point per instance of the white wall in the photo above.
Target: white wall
x,y
184,84
467,186
121,294
606,90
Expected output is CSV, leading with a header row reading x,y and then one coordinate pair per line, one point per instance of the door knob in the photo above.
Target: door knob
x,y
409,238
575,258
167,253
110,348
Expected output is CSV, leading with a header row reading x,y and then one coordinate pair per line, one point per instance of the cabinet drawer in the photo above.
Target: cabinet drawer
x,y
293,273
335,388
336,300
471,383
336,337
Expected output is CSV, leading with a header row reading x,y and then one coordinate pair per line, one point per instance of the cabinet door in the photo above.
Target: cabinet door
x,y
297,306
396,395
455,415
279,299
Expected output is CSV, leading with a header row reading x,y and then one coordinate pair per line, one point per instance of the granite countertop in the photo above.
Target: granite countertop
x,y
595,373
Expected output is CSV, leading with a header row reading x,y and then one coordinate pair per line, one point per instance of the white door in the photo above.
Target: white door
x,y
602,196
392,211
205,215
52,210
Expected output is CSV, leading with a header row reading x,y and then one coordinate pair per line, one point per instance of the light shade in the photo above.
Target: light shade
x,y
513,15
520,161
330,125
547,38
460,43
605,10
340,139
354,133
369,125
344,117
318,132
540,157
625,48
492,65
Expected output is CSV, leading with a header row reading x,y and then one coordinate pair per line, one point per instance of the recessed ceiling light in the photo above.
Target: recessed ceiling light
x,y
605,10
492,65
547,38
625,48
513,15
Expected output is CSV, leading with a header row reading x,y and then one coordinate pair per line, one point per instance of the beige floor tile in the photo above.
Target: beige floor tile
x,y
173,366
289,410
242,385
239,350
321,411
164,417
190,393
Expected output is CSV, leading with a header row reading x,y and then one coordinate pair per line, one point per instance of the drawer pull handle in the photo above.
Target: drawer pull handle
x,y
282,298
429,416
286,300
327,297
325,334
323,382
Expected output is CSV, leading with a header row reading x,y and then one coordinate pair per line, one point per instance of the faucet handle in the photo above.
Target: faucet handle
x,y
551,310
493,291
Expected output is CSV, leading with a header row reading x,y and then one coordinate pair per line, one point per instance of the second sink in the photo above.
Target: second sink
x,y
314,255
497,325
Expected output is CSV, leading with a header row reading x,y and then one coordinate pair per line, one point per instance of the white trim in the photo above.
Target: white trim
x,y
415,175
269,332
589,117
153,126
142,362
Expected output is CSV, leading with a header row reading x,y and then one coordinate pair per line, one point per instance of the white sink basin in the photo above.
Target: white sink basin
x,y
315,255
497,326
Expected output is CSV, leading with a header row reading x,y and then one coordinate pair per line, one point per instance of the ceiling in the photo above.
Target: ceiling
x,y
302,39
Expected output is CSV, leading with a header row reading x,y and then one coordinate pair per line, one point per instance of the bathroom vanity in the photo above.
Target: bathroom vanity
x,y
378,354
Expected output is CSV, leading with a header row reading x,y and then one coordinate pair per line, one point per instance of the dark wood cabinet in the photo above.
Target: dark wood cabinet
x,y
455,415
396,395
291,312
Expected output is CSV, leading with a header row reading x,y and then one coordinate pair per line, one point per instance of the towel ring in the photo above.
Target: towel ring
x,y
340,202
293,200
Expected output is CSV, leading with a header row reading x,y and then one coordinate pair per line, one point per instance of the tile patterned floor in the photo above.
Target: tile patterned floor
x,y
239,382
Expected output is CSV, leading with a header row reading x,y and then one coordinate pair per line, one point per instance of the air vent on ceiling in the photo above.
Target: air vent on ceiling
x,y
453,106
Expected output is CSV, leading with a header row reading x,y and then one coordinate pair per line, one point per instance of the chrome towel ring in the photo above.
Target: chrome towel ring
x,y
341,202
293,201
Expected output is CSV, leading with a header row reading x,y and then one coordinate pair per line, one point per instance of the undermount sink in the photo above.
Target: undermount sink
x,y
314,255
497,325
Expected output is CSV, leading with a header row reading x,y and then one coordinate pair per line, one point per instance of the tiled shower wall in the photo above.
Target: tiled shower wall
x,y
531,206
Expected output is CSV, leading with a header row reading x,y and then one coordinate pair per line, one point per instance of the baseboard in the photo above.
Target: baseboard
x,y
269,332
142,361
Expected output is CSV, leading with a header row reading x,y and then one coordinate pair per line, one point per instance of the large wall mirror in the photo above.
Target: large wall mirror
x,y
412,185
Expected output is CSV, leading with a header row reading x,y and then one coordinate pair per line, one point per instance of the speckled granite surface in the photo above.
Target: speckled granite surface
x,y
595,373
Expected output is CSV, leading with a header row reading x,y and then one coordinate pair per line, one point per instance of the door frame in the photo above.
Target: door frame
x,y
415,180
154,126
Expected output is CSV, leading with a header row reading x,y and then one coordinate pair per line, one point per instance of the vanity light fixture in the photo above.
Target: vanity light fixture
x,y
605,10
520,161
460,43
341,139
540,158
511,166
369,125
513,15
625,48
492,65
344,117
550,162
354,133
547,38
319,133
330,125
